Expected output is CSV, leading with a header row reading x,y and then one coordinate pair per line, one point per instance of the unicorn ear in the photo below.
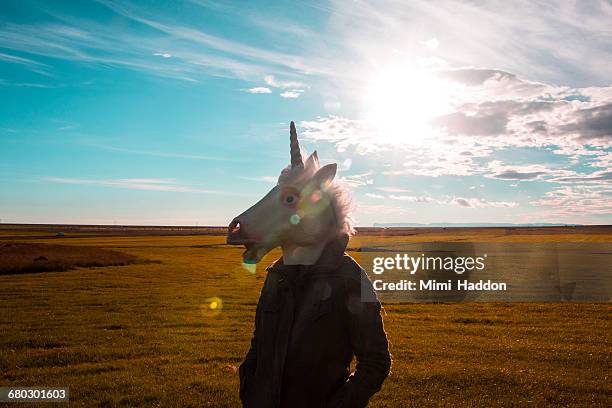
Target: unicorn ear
x,y
312,160
326,174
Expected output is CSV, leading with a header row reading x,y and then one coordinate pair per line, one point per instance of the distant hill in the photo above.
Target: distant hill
x,y
466,224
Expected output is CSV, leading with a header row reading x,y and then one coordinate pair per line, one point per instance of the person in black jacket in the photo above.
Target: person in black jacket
x,y
317,309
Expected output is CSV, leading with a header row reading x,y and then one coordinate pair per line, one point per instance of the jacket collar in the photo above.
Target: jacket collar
x,y
331,258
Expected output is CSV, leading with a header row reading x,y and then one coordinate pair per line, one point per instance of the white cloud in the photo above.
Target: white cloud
x,y
332,105
410,198
265,179
431,44
28,63
577,201
603,159
275,83
481,203
528,172
292,89
294,93
393,189
259,90
163,54
357,180
160,153
465,202
346,164
598,177
149,184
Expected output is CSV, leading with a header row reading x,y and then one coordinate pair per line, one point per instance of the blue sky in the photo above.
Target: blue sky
x,y
178,112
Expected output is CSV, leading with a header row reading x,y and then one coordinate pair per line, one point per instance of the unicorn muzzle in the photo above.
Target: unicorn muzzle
x,y
236,234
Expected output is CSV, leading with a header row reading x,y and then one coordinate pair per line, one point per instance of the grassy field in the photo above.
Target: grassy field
x,y
146,334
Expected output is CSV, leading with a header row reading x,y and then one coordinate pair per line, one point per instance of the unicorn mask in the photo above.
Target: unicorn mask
x,y
301,214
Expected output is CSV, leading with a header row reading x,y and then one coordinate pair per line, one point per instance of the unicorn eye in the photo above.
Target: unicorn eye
x,y
290,198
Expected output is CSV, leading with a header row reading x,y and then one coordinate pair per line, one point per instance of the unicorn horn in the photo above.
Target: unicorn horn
x,y
296,156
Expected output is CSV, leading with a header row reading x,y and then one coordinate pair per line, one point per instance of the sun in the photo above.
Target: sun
x,y
400,102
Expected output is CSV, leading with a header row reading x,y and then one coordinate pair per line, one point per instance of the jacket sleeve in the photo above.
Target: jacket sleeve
x,y
246,371
369,342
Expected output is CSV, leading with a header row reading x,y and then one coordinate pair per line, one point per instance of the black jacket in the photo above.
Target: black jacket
x,y
310,322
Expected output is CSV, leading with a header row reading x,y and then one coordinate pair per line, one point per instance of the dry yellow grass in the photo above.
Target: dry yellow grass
x,y
145,335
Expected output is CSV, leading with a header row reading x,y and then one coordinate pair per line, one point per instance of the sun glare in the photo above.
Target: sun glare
x,y
400,101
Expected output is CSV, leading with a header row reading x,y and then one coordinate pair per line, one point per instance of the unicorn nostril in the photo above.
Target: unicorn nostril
x,y
235,228
235,232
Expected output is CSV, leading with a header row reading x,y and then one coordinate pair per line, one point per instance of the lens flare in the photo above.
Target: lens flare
x,y
294,219
316,196
251,268
212,306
